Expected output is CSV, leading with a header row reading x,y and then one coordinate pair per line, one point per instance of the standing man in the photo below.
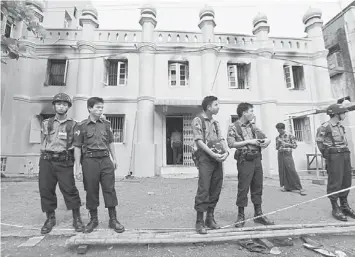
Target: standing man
x,y
56,164
176,146
289,179
208,142
333,145
94,140
248,141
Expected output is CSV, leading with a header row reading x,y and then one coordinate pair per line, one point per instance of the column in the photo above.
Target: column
x,y
321,82
86,48
209,54
144,150
268,109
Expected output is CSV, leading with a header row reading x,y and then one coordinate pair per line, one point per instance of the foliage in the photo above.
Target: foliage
x,y
19,11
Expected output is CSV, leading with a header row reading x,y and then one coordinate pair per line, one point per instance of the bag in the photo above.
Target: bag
x,y
250,156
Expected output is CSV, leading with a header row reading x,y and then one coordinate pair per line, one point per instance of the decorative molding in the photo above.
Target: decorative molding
x,y
147,18
83,44
88,19
320,54
146,46
163,101
261,27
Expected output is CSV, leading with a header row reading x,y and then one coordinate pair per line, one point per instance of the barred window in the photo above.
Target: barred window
x,y
302,129
238,75
3,164
116,72
57,70
118,125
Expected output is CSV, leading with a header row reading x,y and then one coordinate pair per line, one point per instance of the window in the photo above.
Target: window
x,y
301,129
238,75
57,70
335,61
118,125
178,74
116,72
8,28
234,118
3,164
294,77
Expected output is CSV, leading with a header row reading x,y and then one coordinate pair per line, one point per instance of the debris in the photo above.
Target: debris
x,y
150,193
340,253
110,248
252,246
281,241
82,249
32,241
319,250
310,241
275,251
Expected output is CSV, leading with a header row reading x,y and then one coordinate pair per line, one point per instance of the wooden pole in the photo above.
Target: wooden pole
x,y
197,238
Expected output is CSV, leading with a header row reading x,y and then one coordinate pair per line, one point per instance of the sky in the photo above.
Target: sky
x,y
284,17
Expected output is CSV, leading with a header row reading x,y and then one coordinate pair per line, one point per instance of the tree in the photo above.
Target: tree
x,y
19,11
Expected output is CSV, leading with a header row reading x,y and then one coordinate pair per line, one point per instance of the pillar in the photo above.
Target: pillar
x,y
268,108
86,48
209,54
321,86
144,150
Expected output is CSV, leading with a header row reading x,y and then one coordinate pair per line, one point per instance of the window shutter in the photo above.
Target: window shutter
x,y
35,130
46,83
247,76
66,72
307,130
106,67
289,125
124,130
288,76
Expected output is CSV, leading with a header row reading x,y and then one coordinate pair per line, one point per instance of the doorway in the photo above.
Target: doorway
x,y
174,140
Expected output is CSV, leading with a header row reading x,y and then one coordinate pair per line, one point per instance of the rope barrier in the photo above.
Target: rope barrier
x,y
182,229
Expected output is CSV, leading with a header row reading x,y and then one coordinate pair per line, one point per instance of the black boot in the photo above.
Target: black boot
x,y
262,220
337,214
200,224
113,223
77,223
241,218
210,222
49,223
93,223
345,208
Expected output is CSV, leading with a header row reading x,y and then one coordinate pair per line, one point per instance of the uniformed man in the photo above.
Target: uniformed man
x,y
211,151
248,141
56,164
332,144
93,143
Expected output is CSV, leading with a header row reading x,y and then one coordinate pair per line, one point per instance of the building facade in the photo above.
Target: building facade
x,y
339,38
154,81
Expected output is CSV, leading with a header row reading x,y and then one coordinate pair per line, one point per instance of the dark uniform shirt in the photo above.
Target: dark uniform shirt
x,y
56,139
338,133
213,130
93,135
247,131
286,142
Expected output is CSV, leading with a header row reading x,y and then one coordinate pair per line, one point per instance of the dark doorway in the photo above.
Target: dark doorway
x,y
174,140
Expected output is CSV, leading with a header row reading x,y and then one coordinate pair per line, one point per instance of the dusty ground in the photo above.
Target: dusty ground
x,y
156,203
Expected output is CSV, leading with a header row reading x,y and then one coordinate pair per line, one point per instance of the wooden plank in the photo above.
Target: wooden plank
x,y
197,238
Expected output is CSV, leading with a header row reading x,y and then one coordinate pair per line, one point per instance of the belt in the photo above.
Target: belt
x,y
338,150
285,150
97,154
53,156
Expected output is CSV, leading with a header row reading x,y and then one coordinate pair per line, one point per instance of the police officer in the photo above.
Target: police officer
x,y
56,164
248,141
332,144
93,144
207,135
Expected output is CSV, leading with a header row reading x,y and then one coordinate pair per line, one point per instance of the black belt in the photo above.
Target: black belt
x,y
338,150
53,156
96,154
